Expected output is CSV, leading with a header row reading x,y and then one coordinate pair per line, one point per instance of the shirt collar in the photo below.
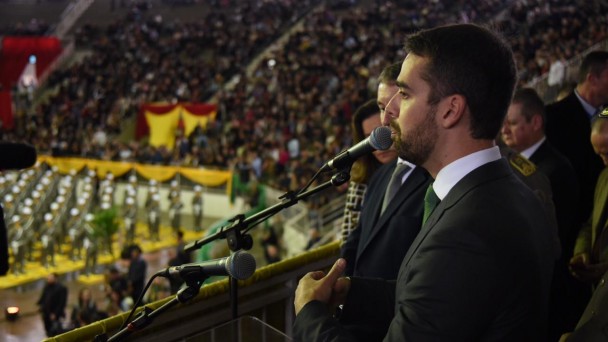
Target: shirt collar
x,y
588,108
452,173
530,150
409,172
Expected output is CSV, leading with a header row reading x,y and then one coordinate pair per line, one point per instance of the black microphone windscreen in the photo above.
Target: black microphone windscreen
x,y
241,265
380,138
16,156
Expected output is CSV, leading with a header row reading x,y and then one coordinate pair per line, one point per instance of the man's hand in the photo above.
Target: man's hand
x,y
581,268
578,263
324,288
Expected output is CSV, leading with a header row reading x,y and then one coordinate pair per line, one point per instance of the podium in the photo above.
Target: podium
x,y
243,329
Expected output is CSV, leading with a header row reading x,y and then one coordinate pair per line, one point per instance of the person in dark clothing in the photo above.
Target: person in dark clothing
x,y
137,273
85,310
271,245
117,282
175,260
182,255
52,304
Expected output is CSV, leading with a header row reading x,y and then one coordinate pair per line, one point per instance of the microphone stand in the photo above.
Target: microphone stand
x,y
236,233
147,315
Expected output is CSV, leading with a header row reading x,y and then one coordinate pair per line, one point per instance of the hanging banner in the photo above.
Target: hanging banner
x,y
160,121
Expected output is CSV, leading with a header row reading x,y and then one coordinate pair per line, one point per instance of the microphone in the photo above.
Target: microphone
x,y
380,139
16,156
239,265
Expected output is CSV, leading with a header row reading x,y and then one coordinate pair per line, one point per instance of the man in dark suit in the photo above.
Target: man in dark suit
x,y
137,272
480,268
52,304
568,125
378,245
523,130
387,227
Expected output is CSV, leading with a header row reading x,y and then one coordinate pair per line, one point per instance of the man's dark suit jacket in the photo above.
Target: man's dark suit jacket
x,y
565,190
479,270
564,310
568,128
376,248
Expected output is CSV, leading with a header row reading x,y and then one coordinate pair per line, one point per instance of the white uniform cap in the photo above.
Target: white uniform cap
x,y
74,211
48,217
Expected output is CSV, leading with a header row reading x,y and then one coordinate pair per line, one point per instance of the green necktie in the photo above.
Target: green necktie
x,y
430,202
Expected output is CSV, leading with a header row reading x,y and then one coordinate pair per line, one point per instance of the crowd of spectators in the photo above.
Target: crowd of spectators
x,y
544,32
290,115
34,27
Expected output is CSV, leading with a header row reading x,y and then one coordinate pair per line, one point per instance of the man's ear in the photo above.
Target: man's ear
x,y
537,122
451,110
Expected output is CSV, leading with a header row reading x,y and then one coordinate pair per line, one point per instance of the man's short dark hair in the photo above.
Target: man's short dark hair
x,y
531,103
471,61
389,74
594,63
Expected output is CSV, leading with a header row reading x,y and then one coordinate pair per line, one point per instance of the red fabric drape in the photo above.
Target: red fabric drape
x,y
200,109
6,110
142,129
14,56
16,52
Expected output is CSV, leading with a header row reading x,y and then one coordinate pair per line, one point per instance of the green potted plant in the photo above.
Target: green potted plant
x,y
105,225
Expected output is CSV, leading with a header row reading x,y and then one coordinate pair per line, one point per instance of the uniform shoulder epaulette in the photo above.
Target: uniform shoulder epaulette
x,y
521,164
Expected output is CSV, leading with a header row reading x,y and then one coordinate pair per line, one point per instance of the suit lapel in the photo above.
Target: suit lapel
x,y
413,182
482,174
375,202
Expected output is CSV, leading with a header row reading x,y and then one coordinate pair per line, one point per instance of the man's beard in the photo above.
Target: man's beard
x,y
420,141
